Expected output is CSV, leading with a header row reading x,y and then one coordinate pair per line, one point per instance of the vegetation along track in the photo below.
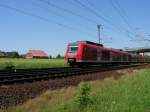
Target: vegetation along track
x,y
11,95
29,75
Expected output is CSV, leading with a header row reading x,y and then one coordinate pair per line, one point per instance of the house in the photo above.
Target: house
x,y
12,54
36,54
2,54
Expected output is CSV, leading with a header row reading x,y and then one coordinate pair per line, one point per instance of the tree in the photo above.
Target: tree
x,y
58,56
50,57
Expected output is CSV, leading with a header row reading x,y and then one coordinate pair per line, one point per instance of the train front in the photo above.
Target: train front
x,y
73,53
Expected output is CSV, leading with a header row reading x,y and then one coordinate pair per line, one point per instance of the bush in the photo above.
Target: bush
x,y
60,56
9,66
50,57
83,96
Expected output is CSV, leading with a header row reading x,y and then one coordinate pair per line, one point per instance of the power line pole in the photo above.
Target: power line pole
x,y
99,29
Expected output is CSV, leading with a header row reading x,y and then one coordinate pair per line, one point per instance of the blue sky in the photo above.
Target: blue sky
x,y
21,31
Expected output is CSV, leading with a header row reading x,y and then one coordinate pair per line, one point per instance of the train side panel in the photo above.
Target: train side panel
x,y
86,53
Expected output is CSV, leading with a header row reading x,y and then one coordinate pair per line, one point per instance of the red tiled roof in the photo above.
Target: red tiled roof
x,y
38,53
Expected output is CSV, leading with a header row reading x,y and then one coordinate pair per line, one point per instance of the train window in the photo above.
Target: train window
x,y
106,55
72,49
94,53
129,58
98,52
84,51
124,57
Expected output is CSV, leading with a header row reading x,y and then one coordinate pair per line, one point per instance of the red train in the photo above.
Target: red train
x,y
89,53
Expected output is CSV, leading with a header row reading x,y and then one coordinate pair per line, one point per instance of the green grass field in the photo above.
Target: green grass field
x,y
131,93
31,63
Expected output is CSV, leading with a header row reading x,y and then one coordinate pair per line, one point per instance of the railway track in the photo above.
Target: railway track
x,y
29,75
12,95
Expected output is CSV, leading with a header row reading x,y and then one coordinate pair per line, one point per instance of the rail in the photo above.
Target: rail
x,y
29,75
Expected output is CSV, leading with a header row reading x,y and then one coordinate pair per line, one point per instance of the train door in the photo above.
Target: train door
x,y
85,53
98,54
105,56
93,55
111,56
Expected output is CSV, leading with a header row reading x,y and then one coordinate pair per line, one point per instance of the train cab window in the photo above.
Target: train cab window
x,y
72,49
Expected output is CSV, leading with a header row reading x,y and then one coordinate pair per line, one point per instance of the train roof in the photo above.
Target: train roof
x,y
97,44
87,42
92,43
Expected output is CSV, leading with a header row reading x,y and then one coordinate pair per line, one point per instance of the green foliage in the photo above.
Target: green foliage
x,y
131,93
13,54
9,66
83,96
60,57
50,57
19,63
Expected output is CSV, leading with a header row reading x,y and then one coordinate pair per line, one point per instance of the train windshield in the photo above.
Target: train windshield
x,y
72,49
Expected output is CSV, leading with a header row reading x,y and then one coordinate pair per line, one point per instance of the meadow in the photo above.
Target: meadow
x,y
131,93
19,63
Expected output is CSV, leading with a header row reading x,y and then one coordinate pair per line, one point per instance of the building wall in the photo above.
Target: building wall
x,y
40,57
9,54
29,56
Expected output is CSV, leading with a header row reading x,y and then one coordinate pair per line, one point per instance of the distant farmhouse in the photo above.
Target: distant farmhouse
x,y
2,54
36,54
13,54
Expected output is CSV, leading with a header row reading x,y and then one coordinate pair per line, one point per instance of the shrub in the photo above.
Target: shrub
x,y
9,66
50,57
60,56
83,96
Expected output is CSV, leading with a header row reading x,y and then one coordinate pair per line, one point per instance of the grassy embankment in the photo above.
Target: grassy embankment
x,y
31,63
131,93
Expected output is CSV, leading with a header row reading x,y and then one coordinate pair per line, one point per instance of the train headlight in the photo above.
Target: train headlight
x,y
70,60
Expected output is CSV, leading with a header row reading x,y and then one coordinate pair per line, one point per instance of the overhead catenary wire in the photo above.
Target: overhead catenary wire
x,y
125,16
98,9
51,11
72,3
92,5
46,9
96,14
76,14
124,13
92,11
148,40
69,11
143,38
42,18
120,12
102,17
